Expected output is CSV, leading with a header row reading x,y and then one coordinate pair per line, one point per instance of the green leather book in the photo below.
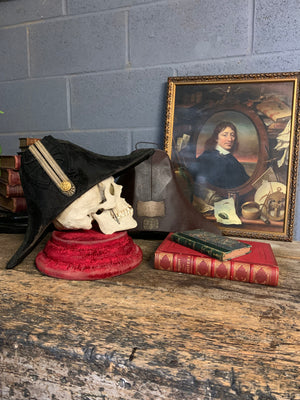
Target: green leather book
x,y
220,247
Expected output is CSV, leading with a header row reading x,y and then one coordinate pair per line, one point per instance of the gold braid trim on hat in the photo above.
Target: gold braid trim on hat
x,y
53,170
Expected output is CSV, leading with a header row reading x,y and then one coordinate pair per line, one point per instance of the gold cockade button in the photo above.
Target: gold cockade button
x,y
65,186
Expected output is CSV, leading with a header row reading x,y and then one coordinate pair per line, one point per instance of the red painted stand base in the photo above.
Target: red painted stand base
x,y
88,255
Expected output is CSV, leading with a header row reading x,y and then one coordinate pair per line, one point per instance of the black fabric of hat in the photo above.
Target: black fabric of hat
x,y
53,174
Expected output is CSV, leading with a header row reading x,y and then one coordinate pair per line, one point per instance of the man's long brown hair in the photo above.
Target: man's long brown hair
x,y
211,142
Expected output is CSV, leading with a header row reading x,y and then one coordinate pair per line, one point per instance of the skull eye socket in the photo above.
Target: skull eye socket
x,y
112,190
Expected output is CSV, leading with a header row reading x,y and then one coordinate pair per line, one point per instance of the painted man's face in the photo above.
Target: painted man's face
x,y
226,138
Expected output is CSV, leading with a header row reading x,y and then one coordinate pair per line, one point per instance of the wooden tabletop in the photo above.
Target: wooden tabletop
x,y
148,334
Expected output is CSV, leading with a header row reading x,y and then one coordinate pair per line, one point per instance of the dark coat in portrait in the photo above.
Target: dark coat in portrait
x,y
220,170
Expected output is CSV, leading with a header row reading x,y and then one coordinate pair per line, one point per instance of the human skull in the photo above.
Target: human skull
x,y
102,203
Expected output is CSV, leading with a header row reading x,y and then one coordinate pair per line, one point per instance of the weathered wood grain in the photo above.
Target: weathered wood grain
x,y
148,334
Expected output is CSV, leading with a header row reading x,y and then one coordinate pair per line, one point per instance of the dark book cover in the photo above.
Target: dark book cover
x,y
217,246
11,222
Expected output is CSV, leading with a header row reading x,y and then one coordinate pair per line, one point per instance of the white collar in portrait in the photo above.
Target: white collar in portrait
x,y
221,150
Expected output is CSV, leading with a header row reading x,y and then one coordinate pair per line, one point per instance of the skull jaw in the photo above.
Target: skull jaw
x,y
85,223
109,222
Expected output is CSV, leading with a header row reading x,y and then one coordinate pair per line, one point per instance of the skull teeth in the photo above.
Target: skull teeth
x,y
115,213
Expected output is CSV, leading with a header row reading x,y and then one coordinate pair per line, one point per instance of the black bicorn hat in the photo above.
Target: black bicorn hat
x,y
53,174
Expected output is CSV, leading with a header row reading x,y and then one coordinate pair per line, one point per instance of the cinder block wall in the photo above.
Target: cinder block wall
x,y
95,71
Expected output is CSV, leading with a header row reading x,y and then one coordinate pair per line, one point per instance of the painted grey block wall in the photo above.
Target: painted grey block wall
x,y
95,71
88,6
84,43
276,31
115,99
16,12
13,54
170,33
34,105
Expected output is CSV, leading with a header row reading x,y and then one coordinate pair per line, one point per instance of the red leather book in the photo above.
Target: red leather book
x,y
10,176
13,161
259,266
11,190
14,204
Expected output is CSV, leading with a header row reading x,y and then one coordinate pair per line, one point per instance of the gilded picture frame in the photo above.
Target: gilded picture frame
x,y
234,141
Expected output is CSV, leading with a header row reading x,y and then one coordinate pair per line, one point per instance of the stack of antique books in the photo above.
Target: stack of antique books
x,y
11,191
203,253
13,216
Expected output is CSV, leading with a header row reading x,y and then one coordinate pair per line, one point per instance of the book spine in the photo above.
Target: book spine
x,y
13,162
205,266
19,204
264,274
28,141
240,271
14,204
164,261
10,176
17,162
183,263
12,191
203,248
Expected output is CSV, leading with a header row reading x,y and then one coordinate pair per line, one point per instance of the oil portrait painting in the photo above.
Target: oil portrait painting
x,y
233,142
